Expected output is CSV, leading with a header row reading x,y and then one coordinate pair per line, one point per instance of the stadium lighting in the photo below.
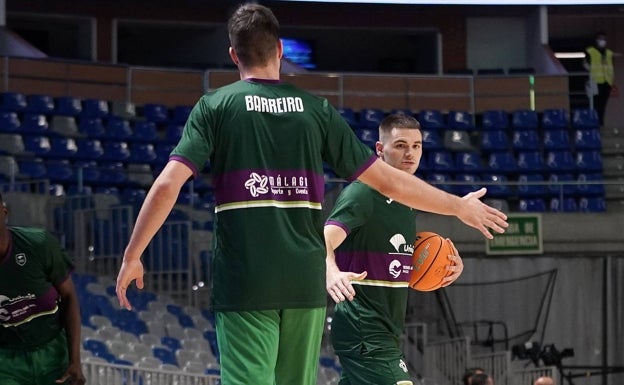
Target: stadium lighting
x,y
569,55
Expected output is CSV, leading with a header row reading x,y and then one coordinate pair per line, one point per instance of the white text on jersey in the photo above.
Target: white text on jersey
x,y
273,105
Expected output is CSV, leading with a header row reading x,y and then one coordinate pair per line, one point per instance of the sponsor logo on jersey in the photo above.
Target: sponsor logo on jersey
x,y
395,268
20,259
6,315
389,200
403,366
273,105
261,184
402,248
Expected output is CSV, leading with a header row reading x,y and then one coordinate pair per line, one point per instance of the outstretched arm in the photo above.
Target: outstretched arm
x,y
418,194
158,204
338,282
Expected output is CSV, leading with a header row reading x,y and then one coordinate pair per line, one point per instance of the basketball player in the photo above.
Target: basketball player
x,y
266,142
39,311
373,235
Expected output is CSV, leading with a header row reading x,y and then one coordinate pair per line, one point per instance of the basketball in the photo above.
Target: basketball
x,y
429,261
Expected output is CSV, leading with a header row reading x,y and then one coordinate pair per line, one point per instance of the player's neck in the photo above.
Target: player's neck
x,y
269,72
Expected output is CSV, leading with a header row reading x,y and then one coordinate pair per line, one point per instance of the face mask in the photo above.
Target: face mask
x,y
601,43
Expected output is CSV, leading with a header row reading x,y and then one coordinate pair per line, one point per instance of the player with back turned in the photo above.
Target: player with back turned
x,y
266,141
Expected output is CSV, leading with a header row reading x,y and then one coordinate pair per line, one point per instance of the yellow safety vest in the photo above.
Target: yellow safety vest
x,y
601,67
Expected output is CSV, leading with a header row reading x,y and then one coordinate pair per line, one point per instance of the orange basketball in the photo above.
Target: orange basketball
x,y
429,261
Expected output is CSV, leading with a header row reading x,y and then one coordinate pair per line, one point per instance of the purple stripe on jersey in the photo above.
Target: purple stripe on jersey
x,y
262,185
14,310
187,162
339,224
395,267
363,168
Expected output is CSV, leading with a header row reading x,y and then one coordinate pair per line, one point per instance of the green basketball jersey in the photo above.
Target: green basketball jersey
x,y
29,312
266,143
381,234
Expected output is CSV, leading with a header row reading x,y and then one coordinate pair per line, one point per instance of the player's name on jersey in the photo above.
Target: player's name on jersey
x,y
273,105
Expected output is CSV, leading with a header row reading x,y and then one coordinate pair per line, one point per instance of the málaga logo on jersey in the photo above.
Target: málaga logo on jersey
x,y
257,184
278,185
20,259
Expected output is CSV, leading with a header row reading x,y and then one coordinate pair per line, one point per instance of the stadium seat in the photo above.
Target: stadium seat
x,y
64,126
495,120
431,120
89,171
560,161
163,150
62,148
116,151
34,124
92,128
180,114
155,112
554,119
561,185
441,161
589,160
432,140
60,171
556,140
585,139
367,136
140,174
524,120
468,162
142,153
531,185
523,140
590,184
592,204
494,140
565,205
530,161
469,183
123,109
402,111
89,149
118,129
502,162
459,120
532,205
9,166
94,108
113,173
145,131
13,102
457,140
37,145
9,122
39,104
34,168
497,185
67,106
440,180
11,143
370,118
347,114
585,119
173,133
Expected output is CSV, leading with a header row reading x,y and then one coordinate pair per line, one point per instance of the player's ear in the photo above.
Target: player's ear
x,y
233,56
379,148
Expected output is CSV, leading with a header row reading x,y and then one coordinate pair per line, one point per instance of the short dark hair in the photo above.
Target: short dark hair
x,y
254,33
479,379
398,120
467,376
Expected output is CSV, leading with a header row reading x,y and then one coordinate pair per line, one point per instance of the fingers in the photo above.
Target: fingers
x,y
341,289
62,379
456,267
121,296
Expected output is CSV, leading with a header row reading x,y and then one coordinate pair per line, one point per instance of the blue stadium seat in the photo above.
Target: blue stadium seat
x,y
89,171
565,205
37,145
562,184
524,120
173,133
468,162
113,174
349,116
367,136
530,161
585,119
494,140
34,124
35,168
560,161
402,111
592,204
92,128
585,139
39,104
171,342
502,162
459,120
441,161
89,149
554,118
523,140
431,120
142,153
531,185
469,183
590,184
62,148
163,150
67,106
370,118
13,102
457,140
497,185
589,160
156,112
116,151
94,108
556,140
118,129
440,180
9,122
145,131
532,205
432,140
180,114
495,120
60,171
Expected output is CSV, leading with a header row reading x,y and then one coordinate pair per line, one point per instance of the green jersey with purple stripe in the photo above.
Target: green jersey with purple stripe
x,y
381,234
266,143
29,311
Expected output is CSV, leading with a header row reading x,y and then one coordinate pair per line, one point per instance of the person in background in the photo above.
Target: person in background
x,y
39,310
267,142
369,240
467,376
599,63
544,380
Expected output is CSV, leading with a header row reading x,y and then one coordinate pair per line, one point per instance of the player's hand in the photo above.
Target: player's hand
x,y
339,284
456,267
73,375
482,217
130,271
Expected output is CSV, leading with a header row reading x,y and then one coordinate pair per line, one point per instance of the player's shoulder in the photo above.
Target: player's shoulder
x,y
33,234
